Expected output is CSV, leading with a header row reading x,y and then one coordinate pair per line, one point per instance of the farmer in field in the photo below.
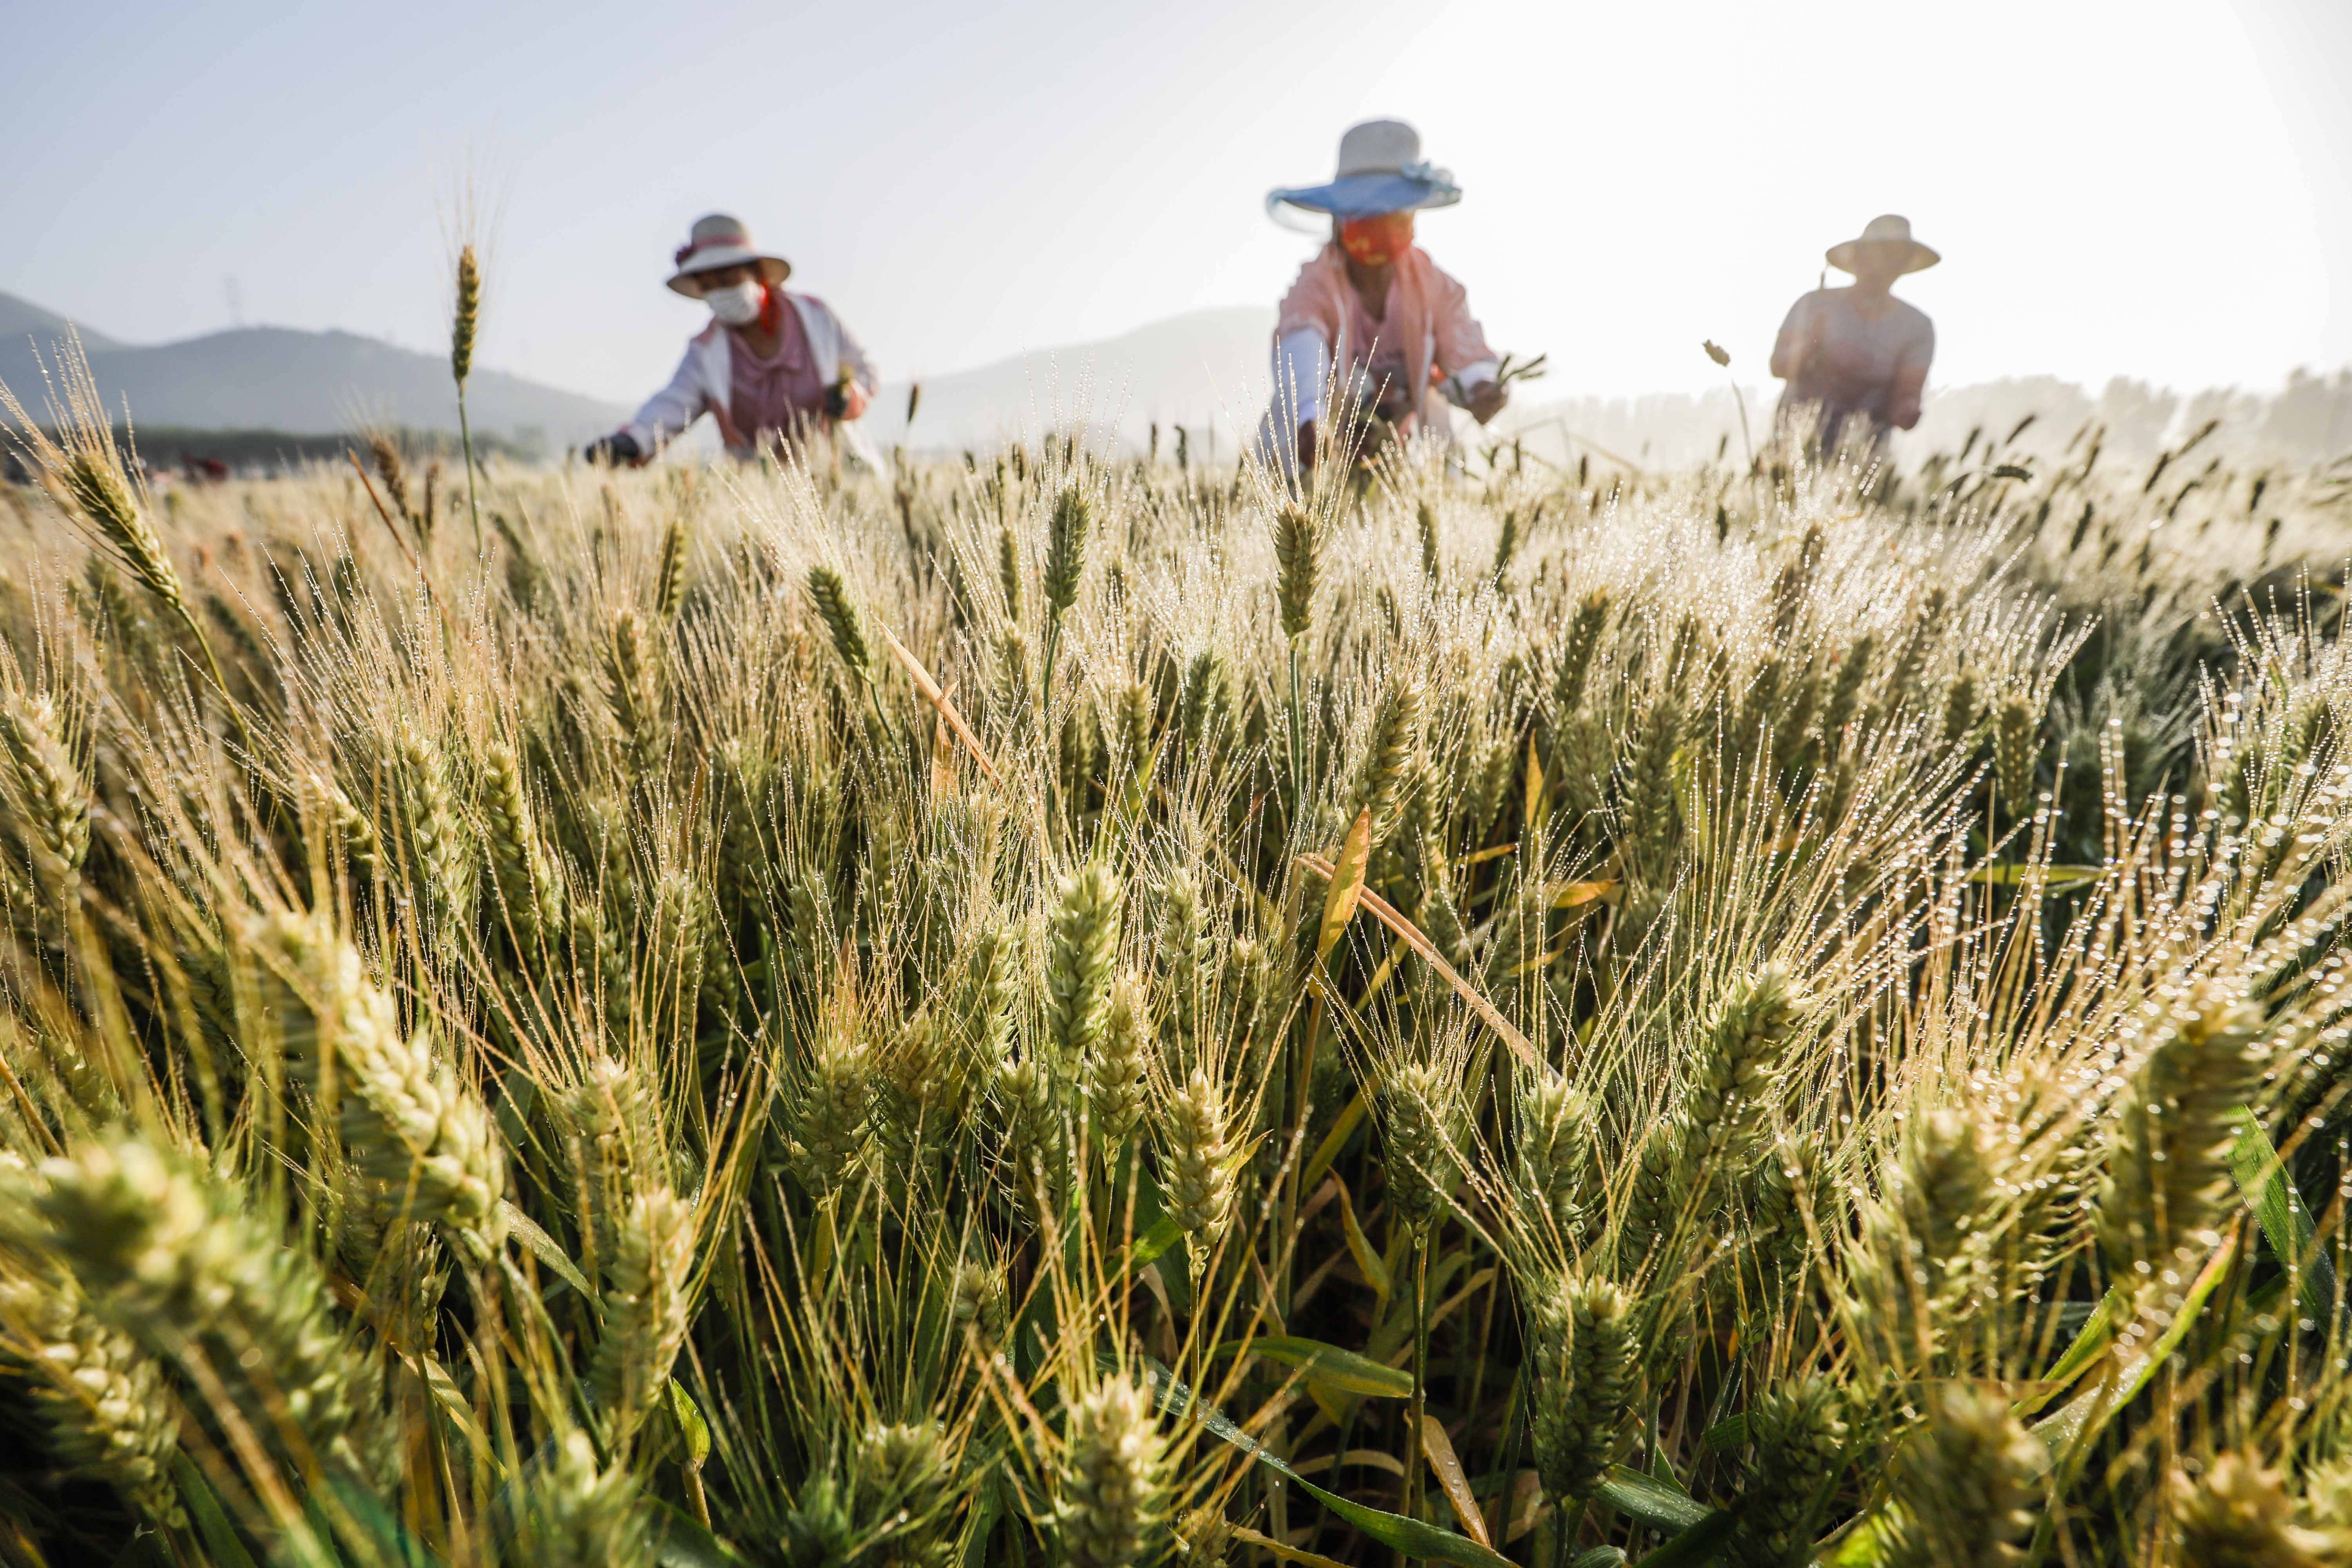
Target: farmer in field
x,y
772,369
1371,318
1858,353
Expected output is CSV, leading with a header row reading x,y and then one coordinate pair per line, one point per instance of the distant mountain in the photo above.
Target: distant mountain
x,y
303,382
1206,371
20,319
1203,369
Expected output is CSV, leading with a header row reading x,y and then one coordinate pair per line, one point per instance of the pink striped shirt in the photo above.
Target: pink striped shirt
x,y
1425,332
781,396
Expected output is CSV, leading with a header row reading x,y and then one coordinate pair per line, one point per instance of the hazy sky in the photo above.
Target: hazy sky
x,y
2163,189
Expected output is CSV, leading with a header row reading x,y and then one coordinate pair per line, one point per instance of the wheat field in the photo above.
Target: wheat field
x,y
1058,1008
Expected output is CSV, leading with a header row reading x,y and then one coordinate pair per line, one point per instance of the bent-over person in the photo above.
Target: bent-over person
x,y
1858,352
1372,315
775,370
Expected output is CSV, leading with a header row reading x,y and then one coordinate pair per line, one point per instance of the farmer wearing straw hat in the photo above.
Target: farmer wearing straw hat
x,y
771,369
1371,318
1859,352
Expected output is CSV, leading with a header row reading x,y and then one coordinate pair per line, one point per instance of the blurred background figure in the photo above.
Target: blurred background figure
x,y
1859,352
774,370
1372,315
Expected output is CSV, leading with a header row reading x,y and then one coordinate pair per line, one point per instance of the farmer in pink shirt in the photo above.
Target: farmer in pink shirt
x,y
774,370
1858,356
1371,318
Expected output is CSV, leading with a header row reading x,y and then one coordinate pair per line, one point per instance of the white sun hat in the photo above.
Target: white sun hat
x,y
1889,229
719,240
1380,170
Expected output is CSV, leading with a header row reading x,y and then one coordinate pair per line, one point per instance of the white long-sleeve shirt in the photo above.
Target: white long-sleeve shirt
x,y
1438,350
1302,369
705,380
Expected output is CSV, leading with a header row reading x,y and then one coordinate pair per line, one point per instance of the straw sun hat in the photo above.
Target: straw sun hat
x,y
1889,229
716,241
1380,170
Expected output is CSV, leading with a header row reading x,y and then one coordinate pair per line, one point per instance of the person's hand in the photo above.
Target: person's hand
x,y
1487,400
614,450
1306,447
845,399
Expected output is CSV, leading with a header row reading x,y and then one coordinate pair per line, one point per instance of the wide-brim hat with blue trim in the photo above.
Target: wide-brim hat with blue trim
x,y
1380,170
720,240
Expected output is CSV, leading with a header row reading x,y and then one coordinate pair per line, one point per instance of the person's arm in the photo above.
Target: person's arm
x,y
1795,344
1462,351
864,381
1302,365
670,410
1902,403
1487,396
1477,386
1911,381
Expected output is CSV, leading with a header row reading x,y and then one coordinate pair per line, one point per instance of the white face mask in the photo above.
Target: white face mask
x,y
738,306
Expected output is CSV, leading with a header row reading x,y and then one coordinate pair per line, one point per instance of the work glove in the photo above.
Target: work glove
x,y
614,450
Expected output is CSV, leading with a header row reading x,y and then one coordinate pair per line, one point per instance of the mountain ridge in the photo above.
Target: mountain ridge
x,y
289,379
22,318
1203,370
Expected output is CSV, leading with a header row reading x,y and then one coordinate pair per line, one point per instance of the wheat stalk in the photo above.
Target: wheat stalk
x,y
1108,1500
464,321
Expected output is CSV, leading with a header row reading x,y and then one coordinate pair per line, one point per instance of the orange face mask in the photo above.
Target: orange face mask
x,y
1375,242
